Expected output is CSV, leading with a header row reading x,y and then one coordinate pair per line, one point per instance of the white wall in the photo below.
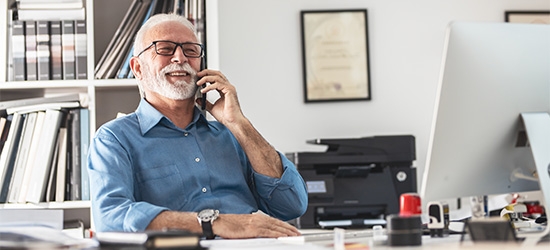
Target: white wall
x,y
260,53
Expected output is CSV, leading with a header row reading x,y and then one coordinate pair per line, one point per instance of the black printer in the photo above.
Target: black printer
x,y
356,182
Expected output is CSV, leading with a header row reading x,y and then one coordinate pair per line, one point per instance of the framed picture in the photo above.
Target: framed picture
x,y
542,17
335,55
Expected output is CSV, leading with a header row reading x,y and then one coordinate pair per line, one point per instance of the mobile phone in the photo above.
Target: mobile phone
x,y
203,95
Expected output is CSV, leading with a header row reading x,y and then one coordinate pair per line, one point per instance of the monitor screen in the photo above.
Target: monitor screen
x,y
490,74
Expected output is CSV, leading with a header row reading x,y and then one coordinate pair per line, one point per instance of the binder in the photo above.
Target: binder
x,y
43,49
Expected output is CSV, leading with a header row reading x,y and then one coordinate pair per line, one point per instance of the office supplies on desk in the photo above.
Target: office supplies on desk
x,y
410,204
404,230
438,213
491,229
357,181
154,239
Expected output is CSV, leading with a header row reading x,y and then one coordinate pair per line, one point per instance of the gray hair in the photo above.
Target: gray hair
x,y
156,20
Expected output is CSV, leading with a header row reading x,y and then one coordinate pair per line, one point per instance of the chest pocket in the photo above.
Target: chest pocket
x,y
162,186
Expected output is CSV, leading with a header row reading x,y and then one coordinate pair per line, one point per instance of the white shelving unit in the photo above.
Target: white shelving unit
x,y
106,97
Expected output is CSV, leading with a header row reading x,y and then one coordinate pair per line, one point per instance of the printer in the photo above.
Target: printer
x,y
357,181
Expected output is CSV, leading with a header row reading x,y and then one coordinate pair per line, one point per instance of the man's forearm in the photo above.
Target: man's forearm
x,y
263,157
175,220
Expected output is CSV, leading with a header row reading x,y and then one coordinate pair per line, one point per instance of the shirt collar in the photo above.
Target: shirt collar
x,y
149,117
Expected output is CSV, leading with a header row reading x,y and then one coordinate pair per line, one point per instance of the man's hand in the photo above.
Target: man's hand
x,y
226,109
238,226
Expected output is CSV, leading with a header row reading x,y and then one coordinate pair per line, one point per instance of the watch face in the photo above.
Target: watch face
x,y
208,215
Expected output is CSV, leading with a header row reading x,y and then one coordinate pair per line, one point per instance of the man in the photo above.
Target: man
x,y
163,164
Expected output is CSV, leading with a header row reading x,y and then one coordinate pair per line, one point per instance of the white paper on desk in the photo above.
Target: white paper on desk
x,y
45,235
256,243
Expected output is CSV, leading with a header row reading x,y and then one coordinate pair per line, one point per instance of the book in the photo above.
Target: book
x,y
22,157
61,166
56,50
10,69
81,65
84,146
7,157
68,50
39,100
30,52
125,68
18,51
75,167
4,136
43,106
4,129
43,49
179,239
51,14
42,164
35,144
178,7
51,180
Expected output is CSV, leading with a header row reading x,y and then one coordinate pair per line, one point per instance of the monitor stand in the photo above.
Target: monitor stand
x,y
537,127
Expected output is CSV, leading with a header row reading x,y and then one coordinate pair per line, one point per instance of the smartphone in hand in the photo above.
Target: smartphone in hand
x,y
203,95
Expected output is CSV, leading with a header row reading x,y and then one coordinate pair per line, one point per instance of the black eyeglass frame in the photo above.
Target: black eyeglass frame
x,y
154,43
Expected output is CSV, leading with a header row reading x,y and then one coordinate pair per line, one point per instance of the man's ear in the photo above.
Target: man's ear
x,y
135,65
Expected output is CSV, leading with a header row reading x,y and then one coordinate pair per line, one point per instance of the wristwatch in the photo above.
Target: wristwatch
x,y
206,217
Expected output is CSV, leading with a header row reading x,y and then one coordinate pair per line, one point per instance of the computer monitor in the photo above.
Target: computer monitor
x,y
490,74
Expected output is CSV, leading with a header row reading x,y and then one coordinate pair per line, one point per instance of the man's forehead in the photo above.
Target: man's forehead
x,y
170,30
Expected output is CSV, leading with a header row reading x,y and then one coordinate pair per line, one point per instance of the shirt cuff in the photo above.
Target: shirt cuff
x,y
140,216
266,185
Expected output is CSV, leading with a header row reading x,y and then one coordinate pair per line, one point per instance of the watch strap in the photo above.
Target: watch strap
x,y
207,230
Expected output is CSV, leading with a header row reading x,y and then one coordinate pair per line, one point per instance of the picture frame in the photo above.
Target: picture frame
x,y
335,55
541,17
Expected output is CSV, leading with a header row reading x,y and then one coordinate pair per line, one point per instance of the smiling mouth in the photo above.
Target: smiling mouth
x,y
177,74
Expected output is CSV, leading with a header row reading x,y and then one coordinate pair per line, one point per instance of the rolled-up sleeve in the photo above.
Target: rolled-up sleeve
x,y
285,197
114,207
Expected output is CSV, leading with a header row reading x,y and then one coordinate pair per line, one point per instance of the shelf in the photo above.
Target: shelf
x,y
47,205
45,84
72,84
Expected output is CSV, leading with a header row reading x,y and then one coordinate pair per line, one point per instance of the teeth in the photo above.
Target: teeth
x,y
178,74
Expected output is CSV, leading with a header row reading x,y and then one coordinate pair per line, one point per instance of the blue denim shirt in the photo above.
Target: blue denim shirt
x,y
142,164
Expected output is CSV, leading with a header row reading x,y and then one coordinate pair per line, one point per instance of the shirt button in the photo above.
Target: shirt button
x,y
185,134
197,159
204,190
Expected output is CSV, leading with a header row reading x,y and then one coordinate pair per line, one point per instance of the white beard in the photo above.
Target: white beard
x,y
179,90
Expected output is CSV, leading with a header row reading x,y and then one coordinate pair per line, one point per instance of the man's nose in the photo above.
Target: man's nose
x,y
179,56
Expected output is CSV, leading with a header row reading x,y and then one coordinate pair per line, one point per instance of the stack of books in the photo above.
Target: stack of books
x,y
43,149
115,61
47,40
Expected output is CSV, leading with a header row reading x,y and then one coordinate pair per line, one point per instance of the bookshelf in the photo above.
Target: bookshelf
x,y
106,97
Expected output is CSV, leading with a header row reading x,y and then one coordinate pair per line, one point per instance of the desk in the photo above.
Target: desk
x,y
451,242
448,243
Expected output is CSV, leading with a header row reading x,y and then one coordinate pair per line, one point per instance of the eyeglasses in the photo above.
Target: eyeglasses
x,y
168,48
